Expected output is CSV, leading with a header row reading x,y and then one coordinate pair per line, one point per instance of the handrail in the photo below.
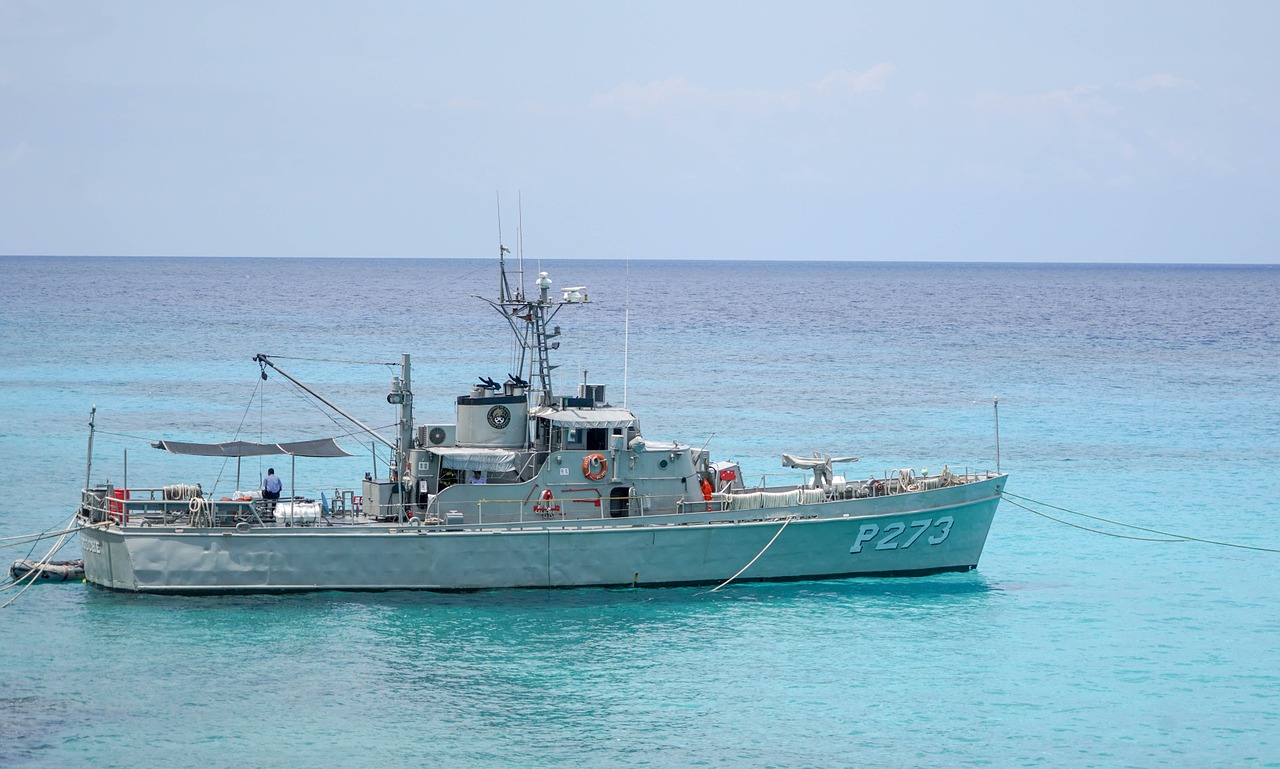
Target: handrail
x,y
100,504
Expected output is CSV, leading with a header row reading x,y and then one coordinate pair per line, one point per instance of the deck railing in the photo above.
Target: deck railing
x,y
158,507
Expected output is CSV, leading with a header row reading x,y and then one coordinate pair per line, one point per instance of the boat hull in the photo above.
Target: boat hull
x,y
905,534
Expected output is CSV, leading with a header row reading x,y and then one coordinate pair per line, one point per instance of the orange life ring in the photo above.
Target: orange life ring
x,y
592,460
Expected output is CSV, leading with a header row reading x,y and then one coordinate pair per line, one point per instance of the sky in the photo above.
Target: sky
x,y
943,131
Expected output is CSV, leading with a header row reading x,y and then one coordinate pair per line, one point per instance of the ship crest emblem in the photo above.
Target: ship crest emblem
x,y
499,417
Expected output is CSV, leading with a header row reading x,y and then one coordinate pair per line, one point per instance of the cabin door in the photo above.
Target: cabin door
x,y
620,502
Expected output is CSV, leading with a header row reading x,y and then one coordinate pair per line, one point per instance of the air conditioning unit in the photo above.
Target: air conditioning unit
x,y
430,436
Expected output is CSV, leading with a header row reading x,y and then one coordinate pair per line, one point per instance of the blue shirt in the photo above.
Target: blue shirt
x,y
273,484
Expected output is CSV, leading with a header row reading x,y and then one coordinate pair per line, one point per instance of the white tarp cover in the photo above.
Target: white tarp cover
x,y
641,444
821,467
322,447
496,460
808,463
610,417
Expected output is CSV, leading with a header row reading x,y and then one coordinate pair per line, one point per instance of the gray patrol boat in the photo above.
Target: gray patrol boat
x,y
529,489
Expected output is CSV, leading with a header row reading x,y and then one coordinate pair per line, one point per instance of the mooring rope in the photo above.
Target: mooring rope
x,y
1086,528
24,539
790,518
1175,537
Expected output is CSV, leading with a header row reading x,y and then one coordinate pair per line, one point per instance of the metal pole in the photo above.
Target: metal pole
x,y
262,359
126,470
997,407
88,461
404,440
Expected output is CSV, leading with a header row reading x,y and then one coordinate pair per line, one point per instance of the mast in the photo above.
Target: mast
x,y
504,286
530,322
402,395
88,461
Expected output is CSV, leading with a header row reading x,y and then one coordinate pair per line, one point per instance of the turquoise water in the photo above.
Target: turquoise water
x,y
1142,393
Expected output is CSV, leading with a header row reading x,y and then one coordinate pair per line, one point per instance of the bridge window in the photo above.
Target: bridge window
x,y
597,439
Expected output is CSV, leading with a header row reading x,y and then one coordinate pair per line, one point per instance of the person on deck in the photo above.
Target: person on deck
x,y
271,489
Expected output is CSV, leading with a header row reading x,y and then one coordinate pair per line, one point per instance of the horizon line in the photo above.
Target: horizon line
x,y
657,259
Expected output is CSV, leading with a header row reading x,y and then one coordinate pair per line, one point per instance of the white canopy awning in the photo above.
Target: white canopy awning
x,y
494,460
322,447
607,417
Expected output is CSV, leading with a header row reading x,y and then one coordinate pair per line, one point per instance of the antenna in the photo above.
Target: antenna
x,y
504,288
498,199
520,238
997,407
626,333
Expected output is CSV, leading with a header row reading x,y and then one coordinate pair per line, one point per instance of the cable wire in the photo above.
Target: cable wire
x,y
1086,528
1183,537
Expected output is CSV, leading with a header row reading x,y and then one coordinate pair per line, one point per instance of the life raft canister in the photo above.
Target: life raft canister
x,y
594,466
547,503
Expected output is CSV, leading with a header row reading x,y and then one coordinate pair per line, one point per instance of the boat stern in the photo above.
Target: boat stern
x,y
106,558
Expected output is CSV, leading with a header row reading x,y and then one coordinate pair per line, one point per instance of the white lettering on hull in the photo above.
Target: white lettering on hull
x,y
891,537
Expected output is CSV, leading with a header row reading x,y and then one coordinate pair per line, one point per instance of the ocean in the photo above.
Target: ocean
x,y
1145,394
